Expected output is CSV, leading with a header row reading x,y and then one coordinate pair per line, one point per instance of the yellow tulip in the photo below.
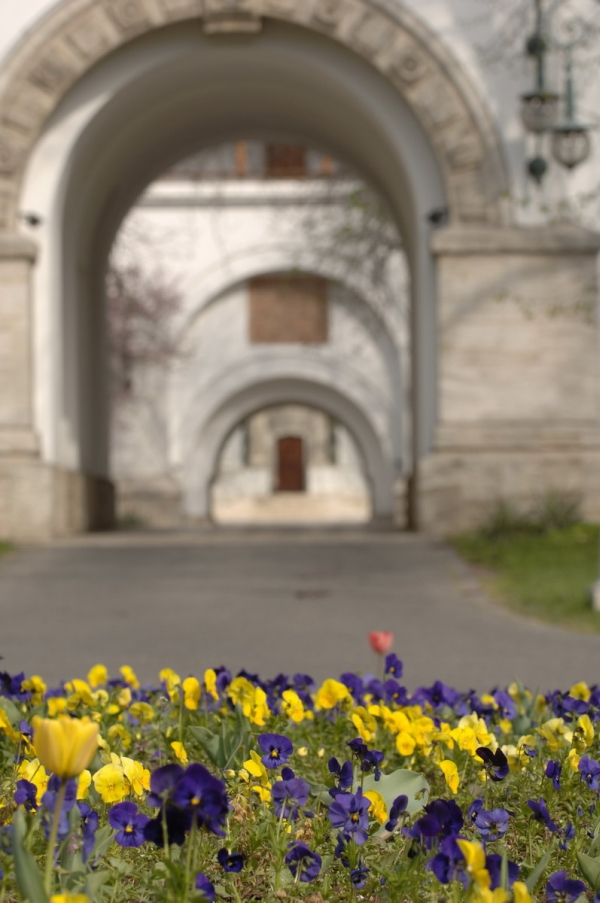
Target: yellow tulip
x,y
69,898
65,745
521,893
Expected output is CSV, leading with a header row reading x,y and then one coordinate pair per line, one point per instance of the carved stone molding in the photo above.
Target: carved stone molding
x,y
63,47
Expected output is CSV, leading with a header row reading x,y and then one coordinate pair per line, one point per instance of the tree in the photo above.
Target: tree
x,y
140,306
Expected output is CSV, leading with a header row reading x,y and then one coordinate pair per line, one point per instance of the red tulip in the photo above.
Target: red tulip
x,y
381,641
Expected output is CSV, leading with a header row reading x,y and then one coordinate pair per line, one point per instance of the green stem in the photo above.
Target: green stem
x,y
188,862
60,798
278,846
166,847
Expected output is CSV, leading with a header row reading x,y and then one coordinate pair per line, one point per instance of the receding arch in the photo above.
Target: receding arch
x,y
201,462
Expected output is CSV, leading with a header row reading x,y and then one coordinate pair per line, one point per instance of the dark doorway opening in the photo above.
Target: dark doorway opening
x,y
290,470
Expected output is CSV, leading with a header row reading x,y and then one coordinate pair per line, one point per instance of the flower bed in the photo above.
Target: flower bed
x,y
237,789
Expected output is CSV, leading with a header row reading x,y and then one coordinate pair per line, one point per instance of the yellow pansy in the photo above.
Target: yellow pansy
x,y
256,768
364,723
555,733
56,706
573,759
179,750
475,732
520,892
474,855
260,710
97,676
117,733
172,681
331,693
36,686
110,783
143,711
129,676
293,706
83,784
137,776
191,693
405,743
35,773
241,692
516,755
583,735
378,808
64,745
210,682
580,691
7,728
451,774
124,698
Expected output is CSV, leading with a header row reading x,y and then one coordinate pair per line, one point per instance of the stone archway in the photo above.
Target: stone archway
x,y
79,140
78,33
201,461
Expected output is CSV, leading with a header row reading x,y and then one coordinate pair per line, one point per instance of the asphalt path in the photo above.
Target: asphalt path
x,y
270,602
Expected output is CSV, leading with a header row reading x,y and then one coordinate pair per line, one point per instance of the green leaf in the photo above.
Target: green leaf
x,y
103,840
590,869
94,882
403,781
504,871
209,742
29,878
533,879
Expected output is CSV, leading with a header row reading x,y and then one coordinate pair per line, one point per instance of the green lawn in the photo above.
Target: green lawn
x,y
4,548
543,575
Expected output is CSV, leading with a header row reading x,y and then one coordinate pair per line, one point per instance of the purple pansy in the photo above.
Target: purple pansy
x,y
277,749
205,887
553,771
204,796
540,813
349,813
128,823
492,825
301,860
231,862
288,795
590,772
561,889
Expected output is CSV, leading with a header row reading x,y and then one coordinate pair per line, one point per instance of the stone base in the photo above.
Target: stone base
x,y
39,502
150,503
460,486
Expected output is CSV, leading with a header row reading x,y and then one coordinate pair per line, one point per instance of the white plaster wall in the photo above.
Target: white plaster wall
x,y
466,27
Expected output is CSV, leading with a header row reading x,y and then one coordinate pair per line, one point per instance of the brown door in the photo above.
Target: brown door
x,y
290,465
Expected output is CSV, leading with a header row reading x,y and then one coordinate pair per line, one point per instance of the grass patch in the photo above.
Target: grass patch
x,y
4,548
543,574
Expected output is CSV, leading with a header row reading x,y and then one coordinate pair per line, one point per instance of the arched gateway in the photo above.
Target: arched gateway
x,y
103,94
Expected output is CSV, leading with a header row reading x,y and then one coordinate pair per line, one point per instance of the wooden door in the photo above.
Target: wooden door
x,y
290,464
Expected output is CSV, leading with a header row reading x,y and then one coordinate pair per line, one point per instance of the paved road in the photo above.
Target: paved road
x,y
270,602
